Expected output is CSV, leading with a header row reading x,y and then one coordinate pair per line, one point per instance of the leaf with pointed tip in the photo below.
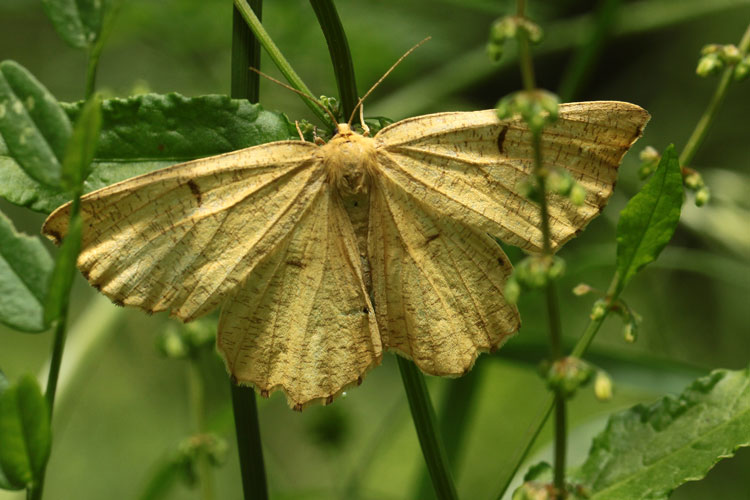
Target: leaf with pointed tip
x,y
80,151
650,218
647,452
25,268
151,131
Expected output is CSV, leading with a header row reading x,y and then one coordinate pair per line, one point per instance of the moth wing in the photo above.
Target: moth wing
x,y
437,283
472,166
183,237
303,322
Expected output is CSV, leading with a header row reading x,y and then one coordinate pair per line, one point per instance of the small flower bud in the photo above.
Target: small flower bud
x,y
568,374
582,289
709,64
649,153
533,490
602,386
599,310
629,332
742,70
577,195
503,29
731,54
532,30
512,290
711,48
702,196
693,180
495,51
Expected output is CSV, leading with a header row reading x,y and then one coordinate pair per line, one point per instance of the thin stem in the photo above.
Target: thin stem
x,y
338,48
245,85
279,60
423,415
701,128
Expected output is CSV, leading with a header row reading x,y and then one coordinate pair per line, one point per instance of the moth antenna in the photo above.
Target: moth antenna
x,y
288,87
361,99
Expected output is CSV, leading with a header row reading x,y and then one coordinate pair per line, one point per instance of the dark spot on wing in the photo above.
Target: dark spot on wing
x,y
234,380
365,310
298,407
56,237
501,140
97,286
264,393
359,380
329,400
195,190
431,238
295,263
118,302
500,261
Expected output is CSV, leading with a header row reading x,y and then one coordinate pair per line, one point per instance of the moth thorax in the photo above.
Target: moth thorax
x,y
350,160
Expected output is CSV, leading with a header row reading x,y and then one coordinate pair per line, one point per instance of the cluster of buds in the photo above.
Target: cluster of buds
x,y
181,341
715,57
566,375
649,161
537,108
694,182
509,27
631,319
332,105
538,486
533,272
196,448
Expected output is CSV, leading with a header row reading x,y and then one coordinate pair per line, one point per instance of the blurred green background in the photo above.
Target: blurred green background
x,y
124,408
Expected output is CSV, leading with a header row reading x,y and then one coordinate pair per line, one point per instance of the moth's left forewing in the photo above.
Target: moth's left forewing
x,y
472,166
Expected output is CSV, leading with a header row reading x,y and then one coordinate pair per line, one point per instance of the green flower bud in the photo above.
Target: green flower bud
x,y
742,70
693,180
710,64
512,290
171,344
711,48
602,386
532,490
731,54
599,310
568,374
503,29
702,196
533,31
495,51
577,195
582,289
650,154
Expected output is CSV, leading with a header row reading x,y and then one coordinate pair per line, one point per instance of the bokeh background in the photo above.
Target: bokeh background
x,y
123,408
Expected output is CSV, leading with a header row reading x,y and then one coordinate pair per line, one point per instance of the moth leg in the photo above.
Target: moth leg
x,y
299,131
365,128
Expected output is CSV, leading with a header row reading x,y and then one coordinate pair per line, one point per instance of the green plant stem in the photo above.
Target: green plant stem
x,y
341,57
701,128
246,85
279,60
423,415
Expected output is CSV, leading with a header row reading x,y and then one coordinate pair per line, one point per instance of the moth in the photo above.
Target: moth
x,y
324,256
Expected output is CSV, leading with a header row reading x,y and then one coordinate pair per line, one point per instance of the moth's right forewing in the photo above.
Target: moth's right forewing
x,y
472,166
181,238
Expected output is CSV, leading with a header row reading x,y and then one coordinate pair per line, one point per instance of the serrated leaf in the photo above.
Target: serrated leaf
x,y
24,432
650,218
147,132
64,271
647,452
33,126
80,152
78,22
25,268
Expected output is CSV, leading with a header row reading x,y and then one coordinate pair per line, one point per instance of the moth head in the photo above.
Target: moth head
x,y
349,160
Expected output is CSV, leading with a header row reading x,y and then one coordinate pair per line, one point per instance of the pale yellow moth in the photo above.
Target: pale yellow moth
x,y
324,256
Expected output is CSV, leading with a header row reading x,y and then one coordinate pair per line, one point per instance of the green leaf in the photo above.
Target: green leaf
x,y
80,152
78,22
147,132
650,218
25,268
33,126
24,432
646,452
64,272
